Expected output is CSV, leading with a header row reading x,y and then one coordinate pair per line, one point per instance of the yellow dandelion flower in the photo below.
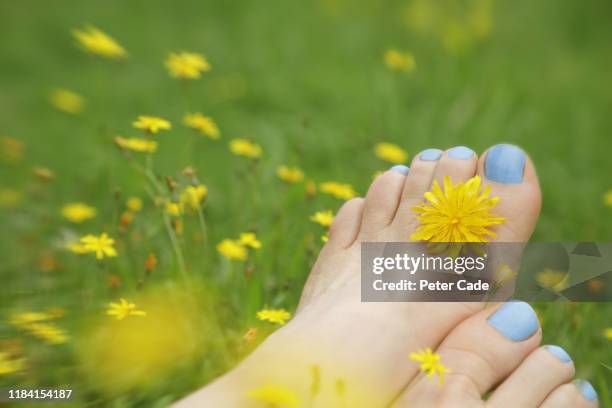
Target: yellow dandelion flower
x,y
102,246
246,148
278,316
608,333
123,309
10,198
607,198
77,248
338,190
203,124
249,239
390,153
290,174
323,218
552,279
174,209
47,332
66,101
78,212
194,196
232,250
397,60
10,365
458,214
275,396
136,144
134,204
99,43
151,124
187,65
430,364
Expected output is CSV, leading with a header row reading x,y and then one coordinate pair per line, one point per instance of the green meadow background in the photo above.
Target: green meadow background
x,y
306,80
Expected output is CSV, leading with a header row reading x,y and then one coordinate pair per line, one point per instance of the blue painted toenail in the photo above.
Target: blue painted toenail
x,y
505,164
515,320
430,154
587,390
460,152
559,353
400,168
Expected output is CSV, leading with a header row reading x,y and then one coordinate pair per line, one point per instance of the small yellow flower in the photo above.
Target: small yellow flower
x,y
22,319
187,65
194,196
134,204
278,316
77,248
99,43
246,148
430,364
607,198
458,214
78,212
338,190
390,153
608,333
275,396
203,124
552,279
66,101
504,274
249,239
324,218
151,124
232,250
290,174
325,237
123,309
10,365
397,60
47,332
174,209
136,144
102,246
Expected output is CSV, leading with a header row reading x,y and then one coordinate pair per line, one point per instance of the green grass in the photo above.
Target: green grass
x,y
307,82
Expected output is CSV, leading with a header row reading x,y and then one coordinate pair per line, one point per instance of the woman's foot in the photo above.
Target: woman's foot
x,y
364,346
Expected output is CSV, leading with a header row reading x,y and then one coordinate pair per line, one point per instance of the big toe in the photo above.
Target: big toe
x,y
512,177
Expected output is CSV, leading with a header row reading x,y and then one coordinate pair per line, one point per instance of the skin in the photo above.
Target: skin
x,y
365,345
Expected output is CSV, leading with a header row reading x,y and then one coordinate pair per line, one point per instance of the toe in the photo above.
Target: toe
x,y
480,352
577,394
346,225
512,177
538,375
382,200
458,163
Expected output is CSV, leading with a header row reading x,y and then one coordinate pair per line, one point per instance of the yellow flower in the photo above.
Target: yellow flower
x,y
278,316
151,124
202,124
325,237
608,333
397,60
66,101
136,144
174,209
47,332
187,65
10,365
608,198
99,43
123,309
290,174
324,218
134,204
78,212
274,396
194,196
249,239
232,249
338,190
390,153
458,214
430,363
22,319
246,148
551,279
504,274
102,246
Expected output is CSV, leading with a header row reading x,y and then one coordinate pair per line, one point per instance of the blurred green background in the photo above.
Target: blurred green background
x,y
307,81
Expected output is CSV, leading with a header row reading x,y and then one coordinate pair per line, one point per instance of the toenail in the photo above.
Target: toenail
x,y
460,152
587,390
505,164
430,154
515,320
559,353
400,168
